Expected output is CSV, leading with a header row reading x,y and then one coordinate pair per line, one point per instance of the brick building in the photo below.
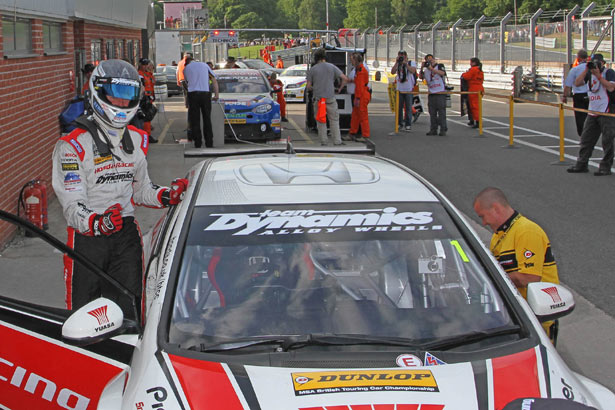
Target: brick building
x,y
43,46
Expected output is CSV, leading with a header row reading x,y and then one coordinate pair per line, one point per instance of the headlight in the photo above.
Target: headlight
x,y
262,109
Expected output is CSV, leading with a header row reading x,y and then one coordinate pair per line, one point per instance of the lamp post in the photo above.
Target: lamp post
x,y
327,17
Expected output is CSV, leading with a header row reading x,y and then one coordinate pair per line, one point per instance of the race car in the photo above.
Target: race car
x,y
250,111
293,281
294,79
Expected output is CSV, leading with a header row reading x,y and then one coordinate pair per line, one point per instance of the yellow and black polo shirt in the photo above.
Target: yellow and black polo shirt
x,y
520,245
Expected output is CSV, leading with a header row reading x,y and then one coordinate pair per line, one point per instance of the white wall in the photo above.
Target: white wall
x,y
168,47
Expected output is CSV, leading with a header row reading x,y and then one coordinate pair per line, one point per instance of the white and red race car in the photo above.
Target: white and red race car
x,y
299,282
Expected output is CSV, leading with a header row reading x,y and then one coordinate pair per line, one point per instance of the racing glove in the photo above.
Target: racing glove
x,y
107,223
174,195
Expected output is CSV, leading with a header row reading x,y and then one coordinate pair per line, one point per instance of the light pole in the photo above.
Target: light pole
x,y
327,18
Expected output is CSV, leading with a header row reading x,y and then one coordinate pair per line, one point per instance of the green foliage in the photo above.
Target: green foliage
x,y
368,13
412,12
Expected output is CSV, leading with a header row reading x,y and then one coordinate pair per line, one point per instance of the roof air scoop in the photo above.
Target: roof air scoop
x,y
334,171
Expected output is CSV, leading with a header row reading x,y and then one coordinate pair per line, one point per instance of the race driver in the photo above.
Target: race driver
x,y
520,245
99,171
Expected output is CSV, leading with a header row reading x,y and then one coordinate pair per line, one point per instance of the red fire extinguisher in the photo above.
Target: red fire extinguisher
x,y
33,198
40,184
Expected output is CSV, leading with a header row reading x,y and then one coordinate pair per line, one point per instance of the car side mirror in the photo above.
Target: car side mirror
x,y
96,321
549,301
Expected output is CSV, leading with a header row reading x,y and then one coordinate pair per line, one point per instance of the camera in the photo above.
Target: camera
x,y
426,64
434,264
400,59
594,64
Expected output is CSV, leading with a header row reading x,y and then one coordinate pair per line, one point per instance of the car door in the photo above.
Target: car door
x,y
38,369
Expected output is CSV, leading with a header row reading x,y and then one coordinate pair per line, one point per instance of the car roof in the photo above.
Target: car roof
x,y
308,178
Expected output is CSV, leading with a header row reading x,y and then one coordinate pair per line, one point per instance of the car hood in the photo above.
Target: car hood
x,y
245,99
291,79
479,384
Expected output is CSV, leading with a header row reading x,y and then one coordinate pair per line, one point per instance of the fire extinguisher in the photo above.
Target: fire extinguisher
x,y
33,199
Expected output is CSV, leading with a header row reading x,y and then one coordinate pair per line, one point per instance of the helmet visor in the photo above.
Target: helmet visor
x,y
119,92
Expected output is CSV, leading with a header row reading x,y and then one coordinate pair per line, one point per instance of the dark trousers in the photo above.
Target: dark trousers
x,y
120,255
437,111
594,126
580,101
199,104
405,115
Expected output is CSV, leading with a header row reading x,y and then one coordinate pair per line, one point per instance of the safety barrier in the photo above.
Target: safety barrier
x,y
561,108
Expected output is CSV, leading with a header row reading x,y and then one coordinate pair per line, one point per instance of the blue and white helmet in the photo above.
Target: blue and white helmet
x,y
115,92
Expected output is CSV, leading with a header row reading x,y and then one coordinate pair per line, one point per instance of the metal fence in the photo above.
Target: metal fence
x,y
542,41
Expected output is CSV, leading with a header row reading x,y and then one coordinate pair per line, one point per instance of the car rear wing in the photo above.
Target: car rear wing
x,y
366,148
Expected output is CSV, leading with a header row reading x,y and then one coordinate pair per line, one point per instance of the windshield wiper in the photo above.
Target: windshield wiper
x,y
446,343
286,343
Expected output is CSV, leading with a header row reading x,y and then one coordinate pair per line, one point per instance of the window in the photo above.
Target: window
x,y
137,51
96,50
130,51
16,36
110,50
52,36
120,49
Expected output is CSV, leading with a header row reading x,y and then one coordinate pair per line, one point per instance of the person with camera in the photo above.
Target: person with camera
x,y
434,74
579,93
600,83
405,72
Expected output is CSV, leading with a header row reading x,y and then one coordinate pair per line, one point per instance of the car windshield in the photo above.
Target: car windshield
x,y
294,73
249,84
392,271
257,64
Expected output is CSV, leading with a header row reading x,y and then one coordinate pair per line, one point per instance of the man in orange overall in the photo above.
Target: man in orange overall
x,y
362,97
475,77
278,88
146,72
279,63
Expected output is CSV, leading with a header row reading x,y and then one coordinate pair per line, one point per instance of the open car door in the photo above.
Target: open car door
x,y
41,364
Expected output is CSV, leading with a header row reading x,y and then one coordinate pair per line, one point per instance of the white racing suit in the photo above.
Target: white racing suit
x,y
88,183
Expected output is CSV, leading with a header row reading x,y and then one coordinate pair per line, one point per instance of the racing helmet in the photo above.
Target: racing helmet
x,y
115,92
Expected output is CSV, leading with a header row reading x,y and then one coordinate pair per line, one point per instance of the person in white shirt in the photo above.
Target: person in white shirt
x,y
600,82
405,79
197,75
434,75
579,93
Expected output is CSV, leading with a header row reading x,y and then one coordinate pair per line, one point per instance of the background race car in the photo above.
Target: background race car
x,y
251,111
294,79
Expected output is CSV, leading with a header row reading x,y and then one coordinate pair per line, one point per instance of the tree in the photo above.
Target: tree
x,y
287,13
312,14
362,13
411,12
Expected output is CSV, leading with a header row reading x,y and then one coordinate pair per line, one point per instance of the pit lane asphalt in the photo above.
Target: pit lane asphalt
x,y
574,209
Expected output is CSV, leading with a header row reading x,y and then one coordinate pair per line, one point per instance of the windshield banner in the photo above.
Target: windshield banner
x,y
319,222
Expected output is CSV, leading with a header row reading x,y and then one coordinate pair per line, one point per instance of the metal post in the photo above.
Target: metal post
x,y
480,112
511,116
401,37
533,21
476,33
376,38
433,36
612,35
365,42
503,41
416,42
454,42
569,29
388,43
561,133
585,13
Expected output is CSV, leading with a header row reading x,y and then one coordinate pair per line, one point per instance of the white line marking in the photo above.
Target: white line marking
x,y
300,130
536,146
495,101
163,134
